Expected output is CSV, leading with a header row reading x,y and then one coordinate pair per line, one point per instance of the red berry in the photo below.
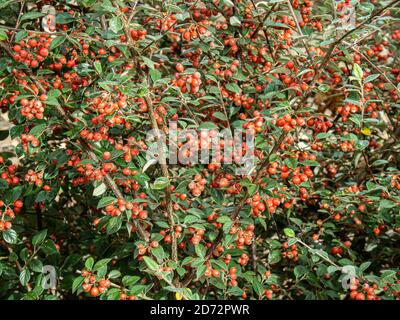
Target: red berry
x,y
106,155
44,52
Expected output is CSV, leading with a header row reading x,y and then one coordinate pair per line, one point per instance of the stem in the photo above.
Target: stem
x,y
164,167
299,30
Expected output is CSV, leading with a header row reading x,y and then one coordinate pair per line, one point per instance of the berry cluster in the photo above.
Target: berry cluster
x,y
198,235
358,292
196,186
288,123
8,214
245,237
194,31
92,285
28,138
33,108
188,83
138,34
34,178
33,51
290,252
8,173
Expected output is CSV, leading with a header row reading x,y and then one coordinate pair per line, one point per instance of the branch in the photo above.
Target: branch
x,y
18,19
164,167
165,172
261,26
299,30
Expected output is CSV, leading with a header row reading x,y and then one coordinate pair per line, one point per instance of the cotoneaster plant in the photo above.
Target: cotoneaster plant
x,y
315,83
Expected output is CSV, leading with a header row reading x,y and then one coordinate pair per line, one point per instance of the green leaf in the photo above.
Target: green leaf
x,y
158,253
31,15
49,247
224,219
233,87
333,269
105,201
3,35
16,131
21,35
100,264
289,232
24,277
291,162
4,134
98,67
253,188
190,219
37,130
13,195
114,274
136,290
89,263
200,250
364,266
387,204
155,75
292,241
36,265
200,271
220,116
129,281
299,271
371,78
160,183
257,286
57,42
39,237
357,72
72,260
151,264
220,264
100,189
10,236
114,225
3,184
64,18
274,256
208,126
77,283
234,21
148,62
116,24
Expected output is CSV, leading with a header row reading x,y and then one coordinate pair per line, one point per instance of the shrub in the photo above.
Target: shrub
x,y
83,205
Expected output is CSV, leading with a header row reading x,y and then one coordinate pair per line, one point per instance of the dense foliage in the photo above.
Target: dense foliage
x,y
315,82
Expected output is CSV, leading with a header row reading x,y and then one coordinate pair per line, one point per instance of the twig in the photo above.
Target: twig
x,y
299,30
162,159
261,26
21,9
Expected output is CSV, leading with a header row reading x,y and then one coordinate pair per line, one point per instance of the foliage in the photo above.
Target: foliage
x,y
320,95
